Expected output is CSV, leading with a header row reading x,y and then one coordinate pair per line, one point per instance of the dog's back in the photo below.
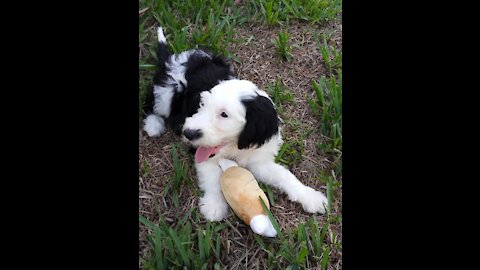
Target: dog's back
x,y
178,82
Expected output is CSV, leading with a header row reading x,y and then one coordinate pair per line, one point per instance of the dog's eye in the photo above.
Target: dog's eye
x,y
224,115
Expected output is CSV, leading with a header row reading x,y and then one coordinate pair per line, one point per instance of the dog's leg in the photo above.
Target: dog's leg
x,y
154,123
157,103
279,177
212,205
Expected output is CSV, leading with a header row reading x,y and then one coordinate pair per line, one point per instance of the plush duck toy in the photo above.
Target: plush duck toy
x,y
241,191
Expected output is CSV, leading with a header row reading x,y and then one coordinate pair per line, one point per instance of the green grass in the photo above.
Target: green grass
x,y
296,248
144,169
275,12
279,93
289,153
328,107
315,11
269,192
178,179
332,57
292,150
196,23
183,245
271,11
192,23
284,49
144,84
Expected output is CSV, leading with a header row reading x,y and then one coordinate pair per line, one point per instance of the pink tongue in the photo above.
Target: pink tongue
x,y
203,153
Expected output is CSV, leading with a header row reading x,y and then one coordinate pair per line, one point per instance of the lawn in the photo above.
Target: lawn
x,y
293,50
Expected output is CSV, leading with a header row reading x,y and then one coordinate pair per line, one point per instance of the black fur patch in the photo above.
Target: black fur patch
x,y
162,54
262,122
202,74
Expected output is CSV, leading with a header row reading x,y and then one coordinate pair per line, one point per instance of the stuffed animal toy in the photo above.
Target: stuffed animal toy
x,y
242,192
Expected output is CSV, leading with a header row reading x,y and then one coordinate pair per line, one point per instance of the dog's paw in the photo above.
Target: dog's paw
x,y
154,125
213,209
313,201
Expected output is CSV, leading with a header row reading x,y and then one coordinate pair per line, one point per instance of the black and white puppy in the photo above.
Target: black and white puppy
x,y
196,93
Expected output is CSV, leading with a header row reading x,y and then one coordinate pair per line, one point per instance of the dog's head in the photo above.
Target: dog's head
x,y
233,112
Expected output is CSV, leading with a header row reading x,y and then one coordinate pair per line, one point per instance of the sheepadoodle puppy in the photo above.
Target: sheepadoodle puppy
x,y
220,116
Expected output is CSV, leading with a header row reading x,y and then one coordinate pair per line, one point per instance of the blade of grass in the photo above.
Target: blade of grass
x,y
272,219
326,253
316,239
218,243
201,245
329,196
146,222
324,231
259,241
180,247
147,67
186,216
319,93
208,240
169,247
301,255
158,249
301,232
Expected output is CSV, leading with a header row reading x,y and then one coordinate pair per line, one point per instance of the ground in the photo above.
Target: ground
x,y
172,232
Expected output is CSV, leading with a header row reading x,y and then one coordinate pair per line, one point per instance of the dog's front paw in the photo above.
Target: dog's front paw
x,y
213,209
313,201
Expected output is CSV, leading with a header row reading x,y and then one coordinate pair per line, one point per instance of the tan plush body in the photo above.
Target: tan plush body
x,y
242,192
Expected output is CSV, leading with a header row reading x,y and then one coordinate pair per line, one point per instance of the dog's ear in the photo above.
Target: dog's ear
x,y
262,122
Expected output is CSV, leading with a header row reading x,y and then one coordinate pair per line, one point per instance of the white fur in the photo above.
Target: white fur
x,y
154,125
226,97
212,205
163,99
161,36
260,162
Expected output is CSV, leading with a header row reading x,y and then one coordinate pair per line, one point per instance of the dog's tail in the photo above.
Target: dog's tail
x,y
162,50
154,124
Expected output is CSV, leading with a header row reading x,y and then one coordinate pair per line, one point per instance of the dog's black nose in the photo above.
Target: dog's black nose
x,y
192,134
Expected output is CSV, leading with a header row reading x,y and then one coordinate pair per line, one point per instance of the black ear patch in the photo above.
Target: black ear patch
x,y
262,122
